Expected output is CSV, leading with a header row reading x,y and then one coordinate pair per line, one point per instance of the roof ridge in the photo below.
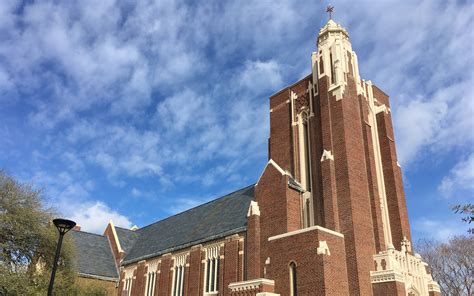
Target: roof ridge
x,y
200,205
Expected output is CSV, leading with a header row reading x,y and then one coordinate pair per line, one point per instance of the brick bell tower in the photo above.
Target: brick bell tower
x,y
329,216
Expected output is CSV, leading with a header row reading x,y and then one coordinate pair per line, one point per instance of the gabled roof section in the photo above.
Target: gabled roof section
x,y
127,238
94,256
219,218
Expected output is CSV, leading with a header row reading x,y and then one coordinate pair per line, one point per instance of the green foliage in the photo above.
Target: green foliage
x,y
27,243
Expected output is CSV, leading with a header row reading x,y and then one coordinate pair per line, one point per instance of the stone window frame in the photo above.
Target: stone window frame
x,y
151,278
293,275
179,271
212,260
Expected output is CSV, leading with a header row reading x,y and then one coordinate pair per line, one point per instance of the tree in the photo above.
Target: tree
x,y
451,264
468,211
27,243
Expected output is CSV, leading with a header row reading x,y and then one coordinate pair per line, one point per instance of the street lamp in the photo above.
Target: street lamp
x,y
63,226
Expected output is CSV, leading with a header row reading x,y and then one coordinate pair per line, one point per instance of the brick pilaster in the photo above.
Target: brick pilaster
x,y
194,283
253,247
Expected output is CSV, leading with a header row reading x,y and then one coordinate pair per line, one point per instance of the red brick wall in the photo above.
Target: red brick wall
x,y
372,176
139,281
195,285
231,270
165,279
354,209
329,212
253,247
280,132
316,274
389,289
393,181
231,264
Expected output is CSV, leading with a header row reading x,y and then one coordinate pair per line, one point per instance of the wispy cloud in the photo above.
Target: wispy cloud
x,y
459,181
94,216
438,229
112,94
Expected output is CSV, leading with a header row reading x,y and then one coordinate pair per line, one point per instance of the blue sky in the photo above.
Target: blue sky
x,y
136,110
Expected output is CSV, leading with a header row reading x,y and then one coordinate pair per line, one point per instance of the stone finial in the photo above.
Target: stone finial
x,y
405,245
253,209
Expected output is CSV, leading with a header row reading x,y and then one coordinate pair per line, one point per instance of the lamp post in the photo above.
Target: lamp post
x,y
63,227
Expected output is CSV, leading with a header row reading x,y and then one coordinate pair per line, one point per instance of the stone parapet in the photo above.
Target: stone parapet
x,y
401,266
256,287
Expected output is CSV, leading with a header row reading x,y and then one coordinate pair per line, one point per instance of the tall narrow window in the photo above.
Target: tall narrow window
x,y
305,150
293,280
128,286
211,282
151,278
178,276
151,281
307,155
333,74
304,141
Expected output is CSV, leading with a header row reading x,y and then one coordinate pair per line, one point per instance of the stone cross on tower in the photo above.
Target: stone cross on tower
x,y
330,10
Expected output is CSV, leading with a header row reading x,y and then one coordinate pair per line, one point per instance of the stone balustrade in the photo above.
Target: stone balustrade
x,y
401,266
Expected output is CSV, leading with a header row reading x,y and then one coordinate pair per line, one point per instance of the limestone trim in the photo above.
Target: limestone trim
x,y
117,242
393,265
253,209
327,155
275,165
323,248
250,285
211,270
386,276
316,227
378,165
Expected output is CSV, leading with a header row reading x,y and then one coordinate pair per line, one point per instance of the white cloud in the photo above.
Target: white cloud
x,y
439,229
459,181
259,76
418,122
94,216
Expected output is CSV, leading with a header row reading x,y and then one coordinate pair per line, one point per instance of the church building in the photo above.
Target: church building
x,y
326,217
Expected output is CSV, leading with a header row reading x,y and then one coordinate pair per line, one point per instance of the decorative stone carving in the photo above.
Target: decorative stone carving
x,y
323,248
302,102
401,266
327,155
253,209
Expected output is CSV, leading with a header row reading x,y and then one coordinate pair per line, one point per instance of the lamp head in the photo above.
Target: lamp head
x,y
64,225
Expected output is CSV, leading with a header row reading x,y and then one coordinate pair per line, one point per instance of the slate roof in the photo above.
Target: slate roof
x,y
127,238
221,217
94,255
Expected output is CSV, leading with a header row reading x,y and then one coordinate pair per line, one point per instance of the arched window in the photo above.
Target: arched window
x,y
293,280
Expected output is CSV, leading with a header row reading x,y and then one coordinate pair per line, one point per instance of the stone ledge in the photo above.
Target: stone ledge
x,y
251,284
316,227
